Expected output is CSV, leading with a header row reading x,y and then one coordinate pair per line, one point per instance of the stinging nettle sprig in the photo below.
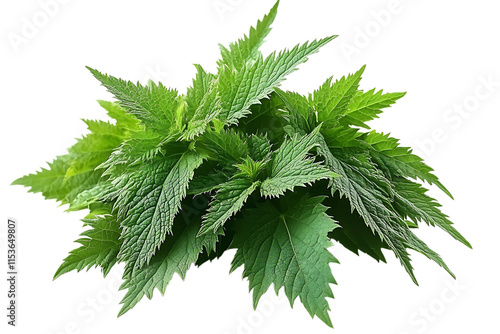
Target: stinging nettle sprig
x,y
277,194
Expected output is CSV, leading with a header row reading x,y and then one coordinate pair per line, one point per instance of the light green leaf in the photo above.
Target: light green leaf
x,y
367,106
247,48
256,80
100,246
84,199
94,148
124,120
200,87
331,100
208,108
154,104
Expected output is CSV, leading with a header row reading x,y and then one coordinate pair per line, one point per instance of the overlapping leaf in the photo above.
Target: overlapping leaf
x,y
100,246
285,244
247,48
256,80
148,205
291,168
179,251
235,162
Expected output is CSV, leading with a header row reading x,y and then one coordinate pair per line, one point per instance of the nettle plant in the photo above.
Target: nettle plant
x,y
237,163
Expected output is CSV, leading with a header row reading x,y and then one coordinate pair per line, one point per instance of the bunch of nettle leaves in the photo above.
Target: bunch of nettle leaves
x,y
236,162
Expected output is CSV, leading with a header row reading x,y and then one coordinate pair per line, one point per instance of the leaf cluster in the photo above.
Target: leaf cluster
x,y
237,163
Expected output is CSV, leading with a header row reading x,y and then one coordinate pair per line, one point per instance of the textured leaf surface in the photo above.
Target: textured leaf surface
x,y
100,246
331,100
235,162
353,233
229,199
179,251
369,194
247,48
154,104
398,160
70,174
202,83
286,245
367,106
208,108
412,201
226,146
255,81
292,168
301,114
149,204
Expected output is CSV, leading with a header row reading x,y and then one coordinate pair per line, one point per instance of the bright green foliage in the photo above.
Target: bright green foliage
x,y
176,254
331,100
257,79
100,246
247,47
69,175
290,168
280,176
154,105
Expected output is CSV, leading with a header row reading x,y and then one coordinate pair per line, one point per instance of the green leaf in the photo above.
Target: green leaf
x,y
340,137
154,104
259,147
229,199
176,254
251,169
208,108
227,146
87,197
412,201
301,114
331,100
369,193
367,106
266,118
247,48
354,234
235,162
54,183
204,182
149,204
124,120
100,246
200,87
285,244
221,247
94,148
70,174
256,80
399,161
292,168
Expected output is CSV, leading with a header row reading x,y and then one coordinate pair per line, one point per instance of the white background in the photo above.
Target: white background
x,y
441,52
